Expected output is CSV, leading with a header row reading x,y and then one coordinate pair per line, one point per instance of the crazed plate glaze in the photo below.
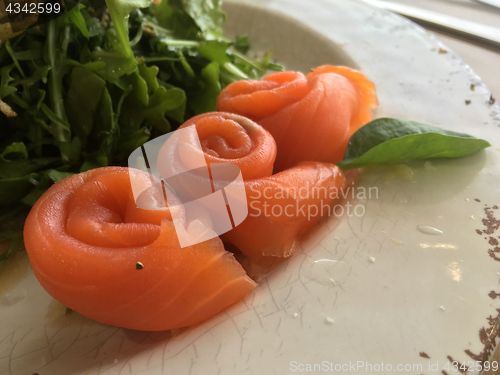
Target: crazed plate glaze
x,y
380,288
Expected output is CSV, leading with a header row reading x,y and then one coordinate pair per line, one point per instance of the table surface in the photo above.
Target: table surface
x,y
484,61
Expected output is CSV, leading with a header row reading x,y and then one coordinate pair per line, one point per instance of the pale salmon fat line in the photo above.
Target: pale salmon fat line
x,y
213,195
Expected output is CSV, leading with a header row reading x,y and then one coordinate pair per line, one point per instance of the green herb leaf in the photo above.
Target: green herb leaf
x,y
94,161
207,14
85,96
5,79
14,151
82,100
75,15
19,168
215,50
241,44
56,175
388,140
119,11
46,180
13,189
206,96
71,149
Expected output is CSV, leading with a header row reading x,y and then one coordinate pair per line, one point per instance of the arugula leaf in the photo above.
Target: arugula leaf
x,y
56,175
40,73
206,97
14,188
44,181
104,130
71,149
388,140
172,16
75,15
207,15
85,96
241,44
119,11
19,168
215,50
5,79
16,148
82,99
92,161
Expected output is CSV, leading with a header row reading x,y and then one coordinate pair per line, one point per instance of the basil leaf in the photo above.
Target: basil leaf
x,y
388,140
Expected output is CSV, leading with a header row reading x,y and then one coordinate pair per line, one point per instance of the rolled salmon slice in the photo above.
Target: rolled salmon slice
x,y
284,206
281,206
95,252
311,117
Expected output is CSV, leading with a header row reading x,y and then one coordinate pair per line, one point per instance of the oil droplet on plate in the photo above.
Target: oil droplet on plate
x,y
329,320
396,241
325,271
425,229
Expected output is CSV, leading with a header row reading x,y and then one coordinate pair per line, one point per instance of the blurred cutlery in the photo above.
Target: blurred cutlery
x,y
476,32
493,3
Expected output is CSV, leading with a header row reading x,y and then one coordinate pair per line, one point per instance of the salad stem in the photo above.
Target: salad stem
x,y
61,134
158,59
179,43
230,67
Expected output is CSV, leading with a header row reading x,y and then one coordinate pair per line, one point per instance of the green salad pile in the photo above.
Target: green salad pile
x,y
87,88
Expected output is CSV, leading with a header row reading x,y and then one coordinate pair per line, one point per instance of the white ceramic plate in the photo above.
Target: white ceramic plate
x,y
367,290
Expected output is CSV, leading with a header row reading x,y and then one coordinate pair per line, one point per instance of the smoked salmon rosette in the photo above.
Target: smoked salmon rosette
x,y
97,253
311,117
280,206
